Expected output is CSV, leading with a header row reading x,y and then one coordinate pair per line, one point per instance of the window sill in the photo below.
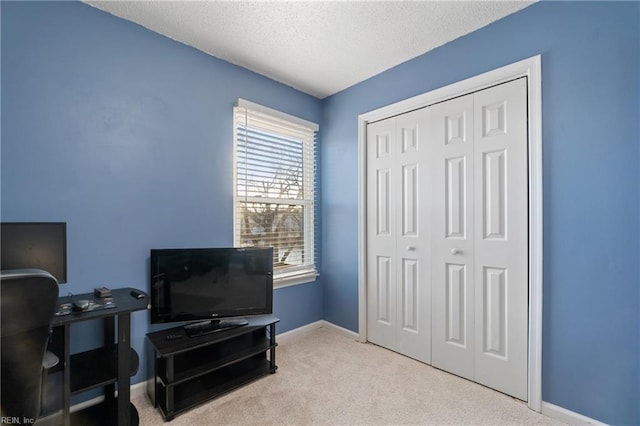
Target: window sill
x,y
287,280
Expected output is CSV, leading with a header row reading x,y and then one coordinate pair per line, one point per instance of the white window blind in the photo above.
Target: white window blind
x,y
275,188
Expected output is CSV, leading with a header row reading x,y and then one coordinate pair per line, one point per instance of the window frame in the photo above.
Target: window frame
x,y
296,274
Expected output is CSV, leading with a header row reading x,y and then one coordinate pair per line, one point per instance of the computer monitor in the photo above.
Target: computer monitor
x,y
41,245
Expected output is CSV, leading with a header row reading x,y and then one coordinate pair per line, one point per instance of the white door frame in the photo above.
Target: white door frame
x,y
530,68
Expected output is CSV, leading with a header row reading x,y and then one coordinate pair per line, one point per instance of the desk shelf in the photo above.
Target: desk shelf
x,y
103,414
98,368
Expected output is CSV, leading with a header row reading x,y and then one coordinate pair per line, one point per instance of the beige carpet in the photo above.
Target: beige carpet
x,y
326,378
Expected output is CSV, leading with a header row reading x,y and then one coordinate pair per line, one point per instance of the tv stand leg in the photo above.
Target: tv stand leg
x,y
272,351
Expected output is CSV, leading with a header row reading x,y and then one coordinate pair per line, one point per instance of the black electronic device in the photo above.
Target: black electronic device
x,y
40,245
87,305
210,285
137,294
64,309
81,305
102,292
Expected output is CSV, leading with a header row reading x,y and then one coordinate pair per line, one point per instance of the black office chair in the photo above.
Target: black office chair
x,y
28,300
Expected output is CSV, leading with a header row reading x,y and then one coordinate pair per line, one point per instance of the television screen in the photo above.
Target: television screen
x,y
35,245
210,283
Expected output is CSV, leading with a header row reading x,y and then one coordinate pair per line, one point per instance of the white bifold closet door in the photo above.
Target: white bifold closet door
x,y
462,270
480,237
398,246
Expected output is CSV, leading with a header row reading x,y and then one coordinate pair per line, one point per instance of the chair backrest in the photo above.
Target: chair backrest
x,y
28,299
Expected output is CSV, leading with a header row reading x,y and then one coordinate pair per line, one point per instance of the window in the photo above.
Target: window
x,y
274,180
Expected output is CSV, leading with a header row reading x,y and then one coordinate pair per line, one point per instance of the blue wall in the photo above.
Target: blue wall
x,y
590,79
125,135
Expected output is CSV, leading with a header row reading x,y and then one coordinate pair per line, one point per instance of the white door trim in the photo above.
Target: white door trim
x,y
530,68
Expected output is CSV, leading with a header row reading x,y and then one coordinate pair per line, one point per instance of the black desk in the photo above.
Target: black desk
x,y
102,367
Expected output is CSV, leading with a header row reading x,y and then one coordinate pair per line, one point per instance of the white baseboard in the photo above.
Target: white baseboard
x,y
287,335
345,332
567,416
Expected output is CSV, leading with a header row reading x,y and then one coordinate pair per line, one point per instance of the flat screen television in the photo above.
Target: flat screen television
x,y
215,286
40,245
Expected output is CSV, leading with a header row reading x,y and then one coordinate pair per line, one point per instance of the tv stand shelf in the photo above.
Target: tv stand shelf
x,y
188,371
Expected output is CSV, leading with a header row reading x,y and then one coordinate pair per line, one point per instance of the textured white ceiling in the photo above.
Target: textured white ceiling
x,y
318,47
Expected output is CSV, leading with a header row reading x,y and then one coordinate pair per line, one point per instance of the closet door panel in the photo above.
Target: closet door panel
x,y
382,177
501,238
413,237
451,138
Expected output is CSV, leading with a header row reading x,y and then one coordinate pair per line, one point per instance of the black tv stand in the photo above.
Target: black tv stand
x,y
213,326
185,372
